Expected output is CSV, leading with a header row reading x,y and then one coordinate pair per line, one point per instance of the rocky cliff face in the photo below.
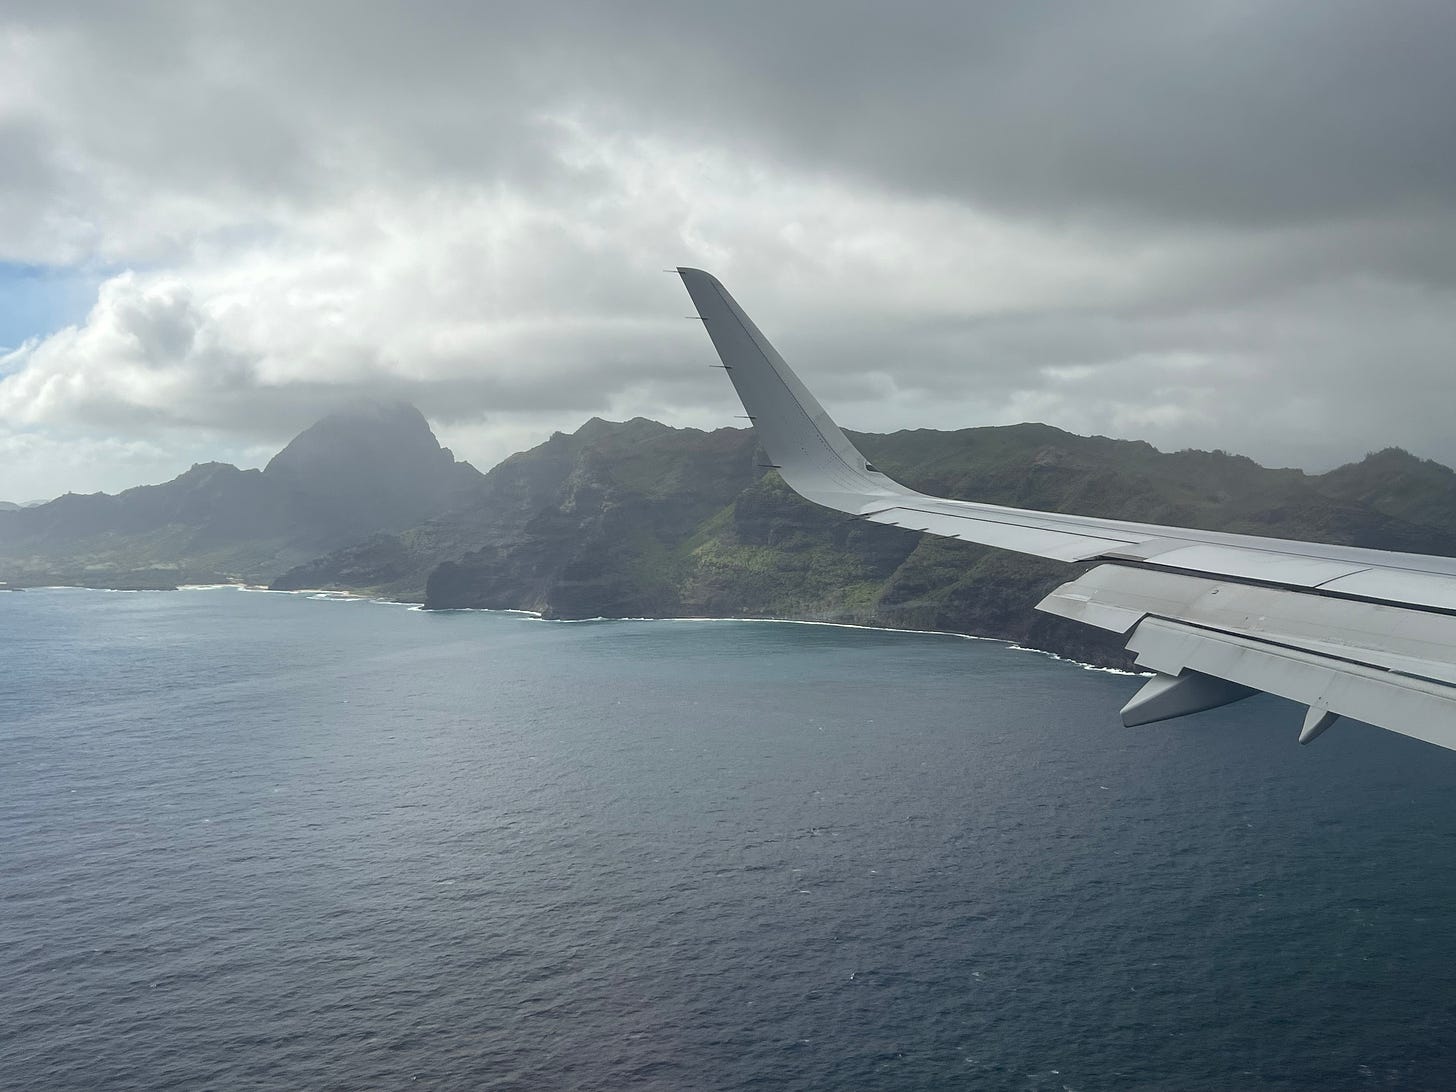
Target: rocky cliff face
x,y
607,542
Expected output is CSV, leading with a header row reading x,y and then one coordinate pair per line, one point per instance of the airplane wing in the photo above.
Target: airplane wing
x,y
1366,634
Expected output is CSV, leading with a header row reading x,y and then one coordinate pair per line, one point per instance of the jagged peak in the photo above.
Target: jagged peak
x,y
595,427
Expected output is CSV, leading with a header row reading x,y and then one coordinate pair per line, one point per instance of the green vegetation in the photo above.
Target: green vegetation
x,y
638,519
675,522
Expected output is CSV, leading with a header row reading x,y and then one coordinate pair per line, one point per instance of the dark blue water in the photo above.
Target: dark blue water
x,y
264,841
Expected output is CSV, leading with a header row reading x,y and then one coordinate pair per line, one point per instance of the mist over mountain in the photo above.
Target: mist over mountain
x,y
639,519
376,467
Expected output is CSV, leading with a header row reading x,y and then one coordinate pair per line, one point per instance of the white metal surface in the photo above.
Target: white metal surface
x,y
1413,707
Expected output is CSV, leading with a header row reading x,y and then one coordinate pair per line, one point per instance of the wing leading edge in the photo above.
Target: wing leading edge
x,y
1367,634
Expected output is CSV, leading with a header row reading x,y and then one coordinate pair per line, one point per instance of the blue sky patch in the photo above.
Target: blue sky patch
x,y
36,300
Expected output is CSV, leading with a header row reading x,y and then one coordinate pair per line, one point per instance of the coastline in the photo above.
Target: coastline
x,y
326,594
342,596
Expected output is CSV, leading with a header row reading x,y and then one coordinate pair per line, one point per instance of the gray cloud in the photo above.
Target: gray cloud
x,y
1221,224
1231,112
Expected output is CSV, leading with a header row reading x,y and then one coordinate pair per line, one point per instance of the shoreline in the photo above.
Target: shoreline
x,y
337,595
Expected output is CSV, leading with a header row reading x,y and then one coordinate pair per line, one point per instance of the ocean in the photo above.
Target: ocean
x,y
255,840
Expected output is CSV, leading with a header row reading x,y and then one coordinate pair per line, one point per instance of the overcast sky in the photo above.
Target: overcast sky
x,y
1203,225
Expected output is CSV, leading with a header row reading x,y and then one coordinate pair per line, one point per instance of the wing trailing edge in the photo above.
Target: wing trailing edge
x,y
1345,631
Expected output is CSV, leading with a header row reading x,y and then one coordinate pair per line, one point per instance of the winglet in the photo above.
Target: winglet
x,y
815,458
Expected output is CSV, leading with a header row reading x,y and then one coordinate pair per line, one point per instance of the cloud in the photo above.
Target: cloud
x,y
1231,112
1223,224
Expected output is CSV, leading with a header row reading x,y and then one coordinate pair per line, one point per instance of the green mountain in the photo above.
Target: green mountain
x,y
639,519
654,521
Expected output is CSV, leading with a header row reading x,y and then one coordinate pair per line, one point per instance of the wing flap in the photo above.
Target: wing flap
x,y
1421,644
1397,586
1413,707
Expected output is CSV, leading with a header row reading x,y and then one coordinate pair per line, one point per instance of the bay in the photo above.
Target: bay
x,y
254,840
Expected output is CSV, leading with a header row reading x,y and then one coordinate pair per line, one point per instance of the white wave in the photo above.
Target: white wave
x,y
489,610
1078,663
335,595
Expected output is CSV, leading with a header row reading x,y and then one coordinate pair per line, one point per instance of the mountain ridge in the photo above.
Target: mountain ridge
x,y
639,518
